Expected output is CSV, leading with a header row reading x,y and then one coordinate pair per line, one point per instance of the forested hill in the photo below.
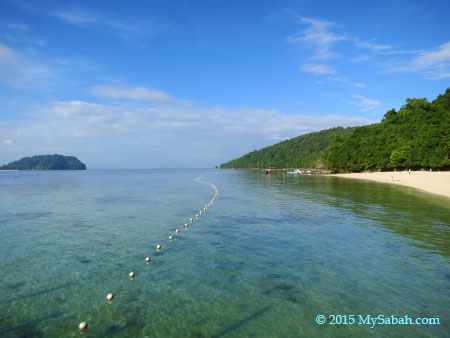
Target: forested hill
x,y
46,162
417,136
303,151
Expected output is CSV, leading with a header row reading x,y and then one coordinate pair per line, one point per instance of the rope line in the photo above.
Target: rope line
x,y
84,325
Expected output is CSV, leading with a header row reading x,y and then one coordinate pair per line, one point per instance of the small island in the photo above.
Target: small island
x,y
46,162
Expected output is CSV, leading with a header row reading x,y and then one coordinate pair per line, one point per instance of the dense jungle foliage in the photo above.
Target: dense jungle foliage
x,y
417,136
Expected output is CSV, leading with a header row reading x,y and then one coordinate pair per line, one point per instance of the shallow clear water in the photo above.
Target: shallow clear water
x,y
271,254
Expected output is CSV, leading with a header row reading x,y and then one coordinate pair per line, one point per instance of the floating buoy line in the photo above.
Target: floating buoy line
x,y
110,296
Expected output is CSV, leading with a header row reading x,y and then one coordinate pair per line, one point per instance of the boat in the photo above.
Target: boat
x,y
296,171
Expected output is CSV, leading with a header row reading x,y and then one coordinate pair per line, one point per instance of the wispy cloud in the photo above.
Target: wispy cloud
x,y
316,68
17,26
337,79
376,47
136,94
79,17
364,103
361,58
318,38
20,34
18,70
110,23
433,63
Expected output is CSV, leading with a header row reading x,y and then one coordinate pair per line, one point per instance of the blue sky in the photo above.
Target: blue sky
x,y
176,84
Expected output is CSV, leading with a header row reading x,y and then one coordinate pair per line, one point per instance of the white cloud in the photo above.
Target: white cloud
x,y
135,94
318,38
176,135
364,103
17,26
359,85
432,63
18,70
8,142
103,120
316,68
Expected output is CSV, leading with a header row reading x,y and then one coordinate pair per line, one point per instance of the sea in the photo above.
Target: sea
x,y
274,255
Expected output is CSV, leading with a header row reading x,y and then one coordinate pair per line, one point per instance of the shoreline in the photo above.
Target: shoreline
x,y
434,182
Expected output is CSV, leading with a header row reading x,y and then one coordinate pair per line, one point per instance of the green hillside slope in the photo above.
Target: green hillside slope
x,y
303,151
417,136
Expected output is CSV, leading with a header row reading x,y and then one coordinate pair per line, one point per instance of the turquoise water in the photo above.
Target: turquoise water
x,y
269,255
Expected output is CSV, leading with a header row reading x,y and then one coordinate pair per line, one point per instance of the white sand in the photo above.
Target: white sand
x,y
433,182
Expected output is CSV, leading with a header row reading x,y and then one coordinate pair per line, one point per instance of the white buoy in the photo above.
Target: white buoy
x,y
178,231
147,259
185,225
196,216
109,297
192,220
83,326
131,274
170,238
158,247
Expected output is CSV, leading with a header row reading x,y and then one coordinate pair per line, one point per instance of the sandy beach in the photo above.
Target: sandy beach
x,y
432,182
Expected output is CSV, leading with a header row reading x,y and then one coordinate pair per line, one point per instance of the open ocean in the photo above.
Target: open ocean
x,y
270,255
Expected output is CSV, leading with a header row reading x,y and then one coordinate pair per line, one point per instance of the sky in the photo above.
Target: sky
x,y
193,84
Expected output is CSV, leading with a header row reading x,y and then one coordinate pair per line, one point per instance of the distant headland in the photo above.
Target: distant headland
x,y
46,162
416,137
